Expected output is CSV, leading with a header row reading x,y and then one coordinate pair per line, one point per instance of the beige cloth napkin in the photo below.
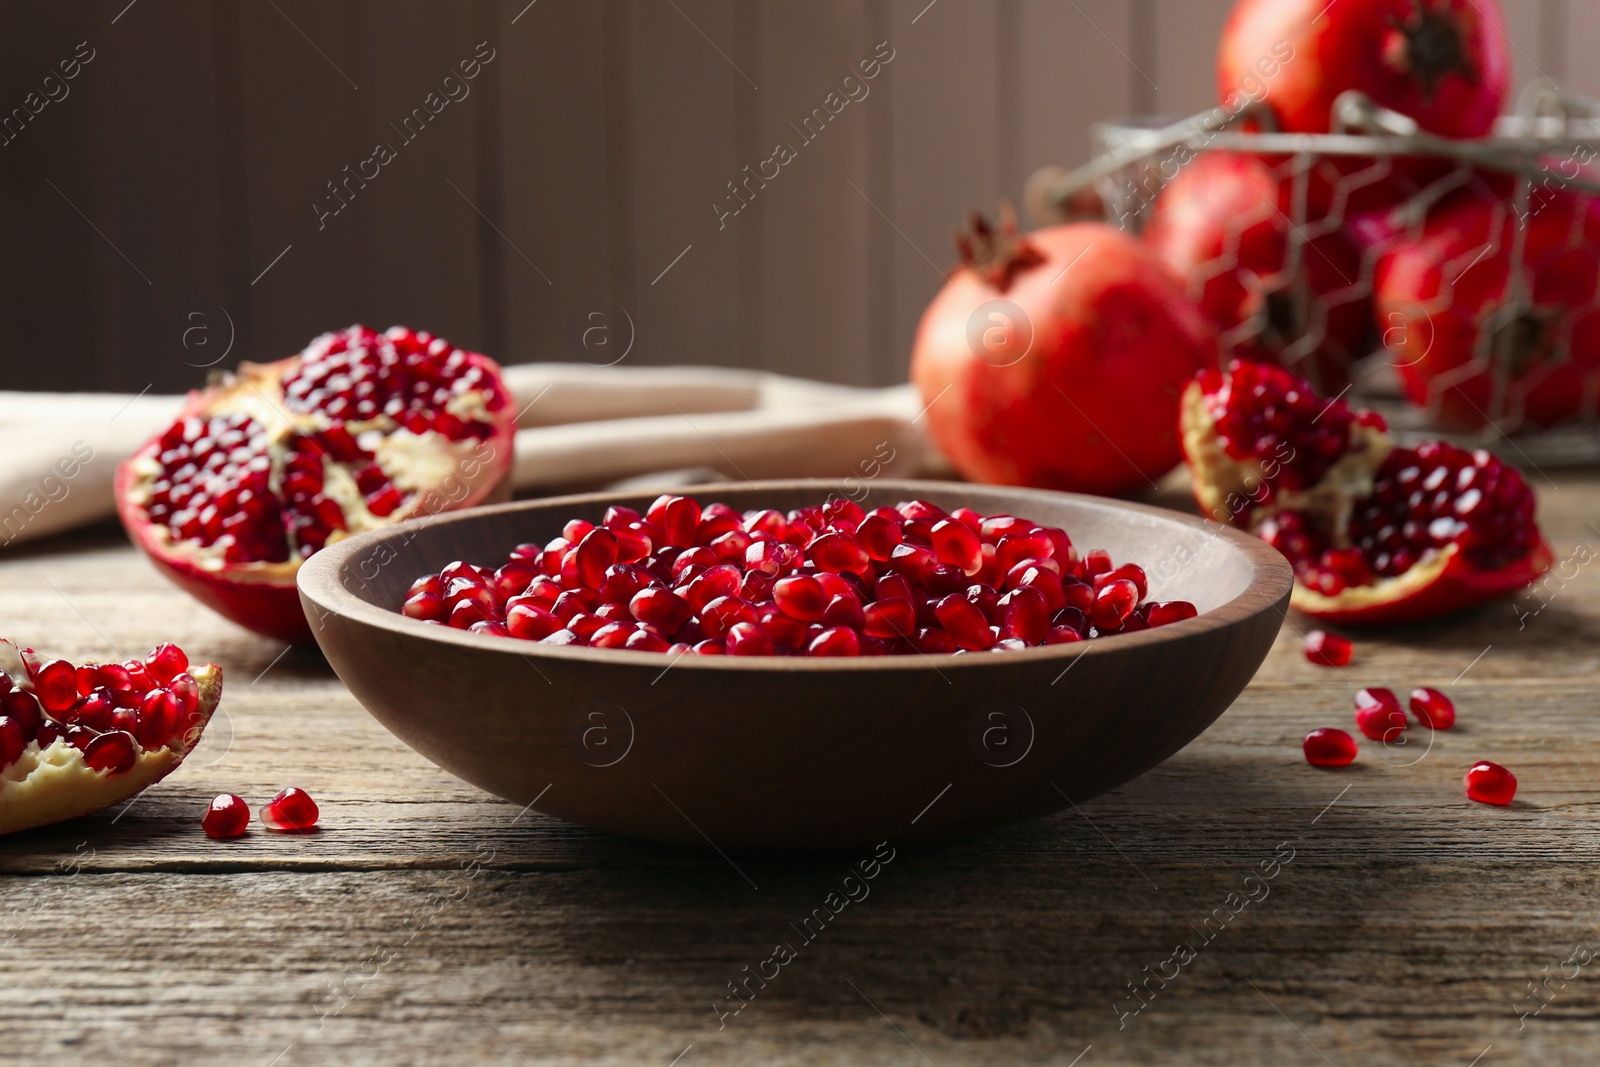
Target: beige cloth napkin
x,y
579,427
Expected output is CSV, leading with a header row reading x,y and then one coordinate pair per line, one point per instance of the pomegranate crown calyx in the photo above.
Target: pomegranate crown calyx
x,y
1429,45
995,250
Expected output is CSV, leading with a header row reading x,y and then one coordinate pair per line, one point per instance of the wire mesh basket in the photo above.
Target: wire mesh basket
x,y
1507,358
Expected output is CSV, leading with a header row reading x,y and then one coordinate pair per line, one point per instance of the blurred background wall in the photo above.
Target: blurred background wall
x,y
177,196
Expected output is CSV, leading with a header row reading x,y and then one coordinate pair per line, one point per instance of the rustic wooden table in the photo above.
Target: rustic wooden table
x,y
430,923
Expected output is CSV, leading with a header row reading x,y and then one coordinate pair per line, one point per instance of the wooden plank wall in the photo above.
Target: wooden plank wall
x,y
165,206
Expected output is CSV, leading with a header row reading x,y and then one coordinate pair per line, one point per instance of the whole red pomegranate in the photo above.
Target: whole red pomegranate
x,y
1444,63
1377,533
268,466
76,739
1056,359
1277,292
1486,294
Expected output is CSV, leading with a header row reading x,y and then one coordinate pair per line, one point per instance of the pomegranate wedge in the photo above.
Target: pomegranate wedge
x,y
277,460
1377,533
76,739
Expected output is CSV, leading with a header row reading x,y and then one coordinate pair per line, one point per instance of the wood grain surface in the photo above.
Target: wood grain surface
x,y
429,923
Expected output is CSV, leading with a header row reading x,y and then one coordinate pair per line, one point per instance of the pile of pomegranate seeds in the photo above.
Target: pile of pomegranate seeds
x,y
819,581
1379,718
110,711
1328,650
293,809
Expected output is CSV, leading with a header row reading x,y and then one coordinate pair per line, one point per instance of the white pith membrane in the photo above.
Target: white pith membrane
x,y
1225,487
414,463
47,785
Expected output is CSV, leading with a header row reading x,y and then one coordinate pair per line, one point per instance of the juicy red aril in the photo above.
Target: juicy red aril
x,y
749,639
166,662
837,552
964,622
1129,571
1433,709
1113,604
226,816
1329,650
801,596
1170,612
1327,747
677,517
838,641
878,536
1490,783
888,618
596,552
955,543
1378,714
56,685
110,753
661,608
1025,615
292,809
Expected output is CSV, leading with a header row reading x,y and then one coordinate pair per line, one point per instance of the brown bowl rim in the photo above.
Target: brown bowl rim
x,y
1270,580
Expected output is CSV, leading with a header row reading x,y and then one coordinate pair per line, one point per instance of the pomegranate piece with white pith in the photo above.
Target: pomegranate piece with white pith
x,y
829,581
76,739
1377,533
277,460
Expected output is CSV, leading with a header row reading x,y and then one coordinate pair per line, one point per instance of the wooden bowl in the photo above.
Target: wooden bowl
x,y
769,753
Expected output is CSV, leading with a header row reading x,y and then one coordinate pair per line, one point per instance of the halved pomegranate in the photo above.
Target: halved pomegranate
x,y
76,739
276,460
1377,534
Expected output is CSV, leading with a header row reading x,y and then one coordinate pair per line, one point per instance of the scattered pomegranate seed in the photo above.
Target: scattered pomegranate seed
x,y
1327,747
834,580
227,816
292,809
1378,714
1432,708
1328,650
1490,783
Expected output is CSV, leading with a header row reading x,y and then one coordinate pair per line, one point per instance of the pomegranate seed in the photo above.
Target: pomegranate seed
x,y
1327,747
1128,571
1378,714
837,641
677,517
964,622
878,535
1329,650
166,662
1114,604
722,580
844,610
710,647
837,553
1170,612
292,809
642,640
749,639
660,607
160,713
722,613
110,753
1098,561
891,617
1025,615
801,596
955,543
56,685
1062,635
1433,709
227,816
1490,783
22,707
596,552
